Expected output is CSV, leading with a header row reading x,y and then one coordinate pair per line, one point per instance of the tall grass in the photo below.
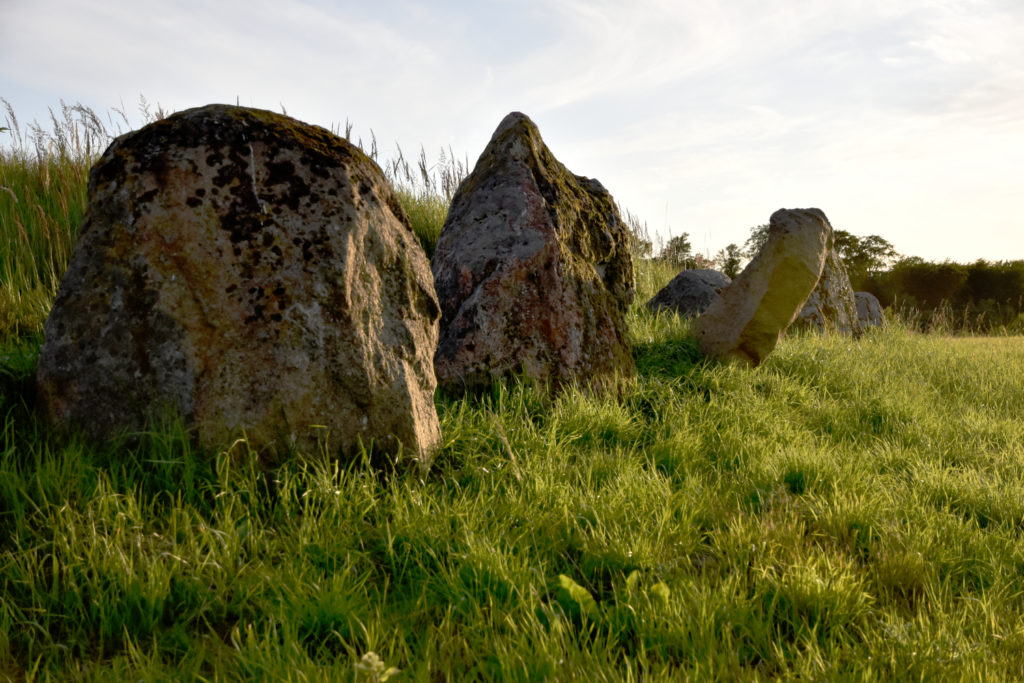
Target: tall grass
x,y
989,318
847,511
43,178
426,191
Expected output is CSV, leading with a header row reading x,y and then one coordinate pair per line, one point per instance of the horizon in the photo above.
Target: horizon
x,y
907,123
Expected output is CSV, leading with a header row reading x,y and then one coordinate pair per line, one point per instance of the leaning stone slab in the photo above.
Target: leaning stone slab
x,y
247,272
752,312
533,272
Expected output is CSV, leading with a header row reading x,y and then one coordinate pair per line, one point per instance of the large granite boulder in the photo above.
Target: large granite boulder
x,y
869,310
247,272
831,306
752,312
533,272
690,292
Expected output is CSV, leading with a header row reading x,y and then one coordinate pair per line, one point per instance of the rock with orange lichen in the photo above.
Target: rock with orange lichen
x,y
249,273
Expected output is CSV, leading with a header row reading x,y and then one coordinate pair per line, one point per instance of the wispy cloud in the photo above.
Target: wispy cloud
x,y
701,116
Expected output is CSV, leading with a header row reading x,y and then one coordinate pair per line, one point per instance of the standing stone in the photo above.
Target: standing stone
x,y
831,306
690,292
533,272
247,272
869,310
746,321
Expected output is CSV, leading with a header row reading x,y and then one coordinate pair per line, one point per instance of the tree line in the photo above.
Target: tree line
x,y
984,296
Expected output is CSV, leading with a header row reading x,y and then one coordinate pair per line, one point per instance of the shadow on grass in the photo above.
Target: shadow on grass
x,y
18,361
61,464
669,358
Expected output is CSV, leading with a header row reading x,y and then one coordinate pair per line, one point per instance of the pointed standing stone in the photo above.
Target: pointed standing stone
x,y
533,272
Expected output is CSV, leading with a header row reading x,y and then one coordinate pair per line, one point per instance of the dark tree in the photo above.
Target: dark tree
x,y
1002,282
928,284
730,260
863,256
757,239
678,251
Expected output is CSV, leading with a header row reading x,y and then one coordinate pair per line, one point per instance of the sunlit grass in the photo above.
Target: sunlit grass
x,y
847,509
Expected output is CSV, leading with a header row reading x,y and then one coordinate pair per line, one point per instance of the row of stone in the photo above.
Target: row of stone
x,y
253,274
691,292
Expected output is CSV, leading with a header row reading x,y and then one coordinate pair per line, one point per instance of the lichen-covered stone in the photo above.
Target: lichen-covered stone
x,y
533,272
690,292
745,322
869,310
831,306
247,272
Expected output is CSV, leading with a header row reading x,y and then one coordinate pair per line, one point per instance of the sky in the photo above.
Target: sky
x,y
898,118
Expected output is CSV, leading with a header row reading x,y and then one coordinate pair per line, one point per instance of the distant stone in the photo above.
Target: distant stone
x,y
757,307
249,273
533,273
831,306
869,310
690,292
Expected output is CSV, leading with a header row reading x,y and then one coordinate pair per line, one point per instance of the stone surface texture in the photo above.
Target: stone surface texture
x,y
690,292
869,310
745,322
533,272
247,272
831,306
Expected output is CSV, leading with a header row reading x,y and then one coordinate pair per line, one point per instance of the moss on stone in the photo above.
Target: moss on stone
x,y
546,256
231,263
571,200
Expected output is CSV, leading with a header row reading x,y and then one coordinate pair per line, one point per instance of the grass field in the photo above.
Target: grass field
x,y
847,511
